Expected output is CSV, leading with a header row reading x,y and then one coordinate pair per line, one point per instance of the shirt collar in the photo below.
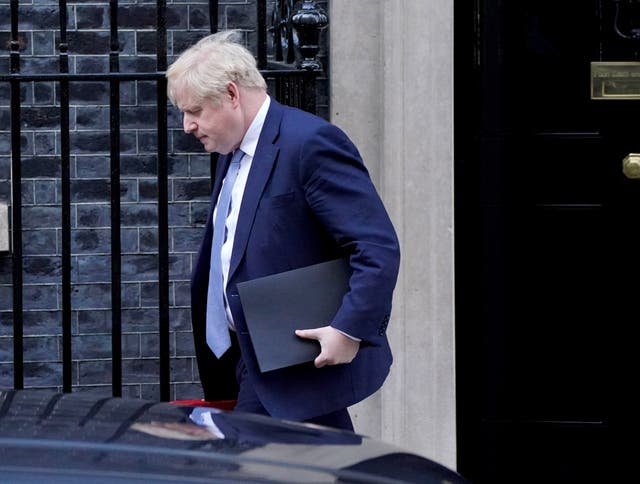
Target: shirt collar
x,y
250,140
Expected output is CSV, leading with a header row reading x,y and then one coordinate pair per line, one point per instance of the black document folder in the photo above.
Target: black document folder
x,y
275,306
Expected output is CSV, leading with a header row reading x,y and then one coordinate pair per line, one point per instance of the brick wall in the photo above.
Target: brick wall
x,y
189,178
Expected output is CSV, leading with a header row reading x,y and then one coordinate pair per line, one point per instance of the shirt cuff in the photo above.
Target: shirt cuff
x,y
348,335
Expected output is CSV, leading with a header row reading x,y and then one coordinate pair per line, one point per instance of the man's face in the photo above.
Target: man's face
x,y
216,125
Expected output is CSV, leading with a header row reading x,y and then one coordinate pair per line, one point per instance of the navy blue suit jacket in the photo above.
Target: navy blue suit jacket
x,y
308,199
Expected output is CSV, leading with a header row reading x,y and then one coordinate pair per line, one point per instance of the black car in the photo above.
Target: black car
x,y
83,438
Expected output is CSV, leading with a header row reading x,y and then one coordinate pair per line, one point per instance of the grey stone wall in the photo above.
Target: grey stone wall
x,y
405,60
189,181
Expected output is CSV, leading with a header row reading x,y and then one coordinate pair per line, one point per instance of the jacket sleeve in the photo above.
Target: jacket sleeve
x,y
342,196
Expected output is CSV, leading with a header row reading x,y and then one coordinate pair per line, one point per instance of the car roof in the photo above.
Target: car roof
x,y
81,437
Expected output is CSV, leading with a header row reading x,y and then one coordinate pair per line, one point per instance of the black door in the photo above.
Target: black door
x,y
546,237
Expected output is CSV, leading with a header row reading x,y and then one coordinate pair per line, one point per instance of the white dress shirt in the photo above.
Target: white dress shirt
x,y
248,146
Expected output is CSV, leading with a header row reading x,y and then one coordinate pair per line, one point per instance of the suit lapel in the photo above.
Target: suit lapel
x,y
261,167
221,169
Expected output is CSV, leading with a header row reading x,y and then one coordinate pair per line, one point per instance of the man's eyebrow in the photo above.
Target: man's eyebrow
x,y
189,108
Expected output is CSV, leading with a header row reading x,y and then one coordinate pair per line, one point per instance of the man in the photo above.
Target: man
x,y
299,195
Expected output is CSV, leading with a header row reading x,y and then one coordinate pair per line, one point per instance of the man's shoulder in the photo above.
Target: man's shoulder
x,y
292,114
297,126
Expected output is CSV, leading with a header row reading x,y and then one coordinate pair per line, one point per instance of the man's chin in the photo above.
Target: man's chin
x,y
212,148
208,147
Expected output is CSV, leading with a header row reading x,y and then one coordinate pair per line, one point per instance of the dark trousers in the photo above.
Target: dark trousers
x,y
248,401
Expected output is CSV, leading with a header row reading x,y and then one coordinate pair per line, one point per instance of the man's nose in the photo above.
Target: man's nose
x,y
188,124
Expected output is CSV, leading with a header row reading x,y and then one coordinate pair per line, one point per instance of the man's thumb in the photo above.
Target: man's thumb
x,y
306,333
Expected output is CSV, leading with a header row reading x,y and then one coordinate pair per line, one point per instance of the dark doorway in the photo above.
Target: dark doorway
x,y
546,230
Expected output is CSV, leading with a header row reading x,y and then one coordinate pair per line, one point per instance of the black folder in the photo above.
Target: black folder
x,y
275,306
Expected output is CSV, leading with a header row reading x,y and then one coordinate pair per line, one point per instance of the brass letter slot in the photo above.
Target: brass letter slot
x,y
615,80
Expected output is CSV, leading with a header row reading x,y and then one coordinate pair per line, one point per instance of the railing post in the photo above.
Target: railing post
x,y
16,205
65,182
116,246
164,327
308,21
262,33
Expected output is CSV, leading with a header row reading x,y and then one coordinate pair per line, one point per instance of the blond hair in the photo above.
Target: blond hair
x,y
206,68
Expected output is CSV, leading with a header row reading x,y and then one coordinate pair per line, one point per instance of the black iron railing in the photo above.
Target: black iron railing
x,y
290,86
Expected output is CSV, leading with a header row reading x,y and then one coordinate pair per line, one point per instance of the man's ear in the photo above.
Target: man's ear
x,y
233,92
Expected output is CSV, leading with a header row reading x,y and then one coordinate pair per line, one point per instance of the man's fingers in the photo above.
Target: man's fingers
x,y
335,347
320,361
301,332
308,333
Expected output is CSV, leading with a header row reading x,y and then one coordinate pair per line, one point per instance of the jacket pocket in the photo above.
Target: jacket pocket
x,y
283,199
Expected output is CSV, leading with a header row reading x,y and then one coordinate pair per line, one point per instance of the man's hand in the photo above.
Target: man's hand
x,y
335,347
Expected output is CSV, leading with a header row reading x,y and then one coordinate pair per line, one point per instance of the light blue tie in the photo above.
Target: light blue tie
x,y
217,326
